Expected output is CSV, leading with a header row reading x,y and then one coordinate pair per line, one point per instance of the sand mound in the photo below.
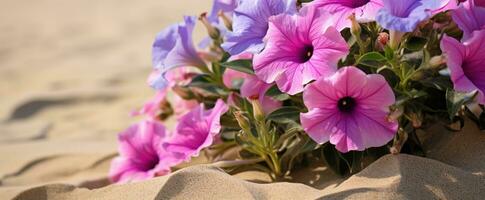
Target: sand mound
x,y
391,177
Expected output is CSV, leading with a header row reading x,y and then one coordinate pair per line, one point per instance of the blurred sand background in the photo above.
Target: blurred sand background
x,y
72,70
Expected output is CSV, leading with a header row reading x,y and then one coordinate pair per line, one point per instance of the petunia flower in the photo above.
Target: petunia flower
x,y
466,63
469,18
250,24
300,48
196,130
403,16
225,6
173,47
365,10
151,108
350,110
254,88
141,155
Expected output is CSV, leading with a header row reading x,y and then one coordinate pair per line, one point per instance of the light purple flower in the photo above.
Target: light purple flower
x,y
469,18
141,155
405,15
365,10
299,49
225,6
250,23
350,110
466,63
196,130
173,47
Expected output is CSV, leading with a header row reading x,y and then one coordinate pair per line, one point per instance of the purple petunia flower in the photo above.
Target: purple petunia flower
x,y
225,6
250,24
350,110
299,49
365,10
405,15
141,153
469,18
466,63
196,130
173,47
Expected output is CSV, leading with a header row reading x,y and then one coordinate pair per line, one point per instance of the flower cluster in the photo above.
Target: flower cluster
x,y
284,81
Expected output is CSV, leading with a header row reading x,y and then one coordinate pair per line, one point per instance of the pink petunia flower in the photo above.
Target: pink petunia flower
x,y
299,49
253,88
141,153
195,131
350,110
469,18
151,108
365,10
466,63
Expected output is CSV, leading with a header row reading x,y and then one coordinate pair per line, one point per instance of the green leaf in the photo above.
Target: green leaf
x,y
416,43
285,114
455,100
277,94
245,66
371,57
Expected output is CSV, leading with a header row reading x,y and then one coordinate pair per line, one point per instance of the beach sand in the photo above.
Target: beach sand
x,y
71,71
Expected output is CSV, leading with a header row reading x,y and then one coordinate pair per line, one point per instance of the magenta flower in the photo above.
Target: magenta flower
x,y
365,10
253,88
151,108
195,131
469,18
232,78
141,155
250,23
173,47
299,49
466,63
350,110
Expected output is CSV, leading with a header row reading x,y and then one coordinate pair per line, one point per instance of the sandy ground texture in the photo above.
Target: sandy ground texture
x,y
72,70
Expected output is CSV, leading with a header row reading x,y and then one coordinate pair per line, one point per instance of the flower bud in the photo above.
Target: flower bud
x,y
355,29
382,41
257,110
395,114
213,32
437,61
242,120
226,20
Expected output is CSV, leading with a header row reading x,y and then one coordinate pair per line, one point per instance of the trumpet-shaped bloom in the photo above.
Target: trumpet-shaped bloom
x,y
350,110
299,49
250,23
405,15
469,18
253,88
466,63
173,47
225,6
365,10
196,130
141,155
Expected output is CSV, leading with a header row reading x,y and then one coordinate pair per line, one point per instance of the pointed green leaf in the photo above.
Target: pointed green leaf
x,y
245,66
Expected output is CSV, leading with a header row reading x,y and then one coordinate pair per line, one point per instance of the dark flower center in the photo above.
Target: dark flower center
x,y
355,3
346,104
150,164
306,53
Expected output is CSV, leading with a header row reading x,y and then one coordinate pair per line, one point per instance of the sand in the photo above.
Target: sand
x,y
70,73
